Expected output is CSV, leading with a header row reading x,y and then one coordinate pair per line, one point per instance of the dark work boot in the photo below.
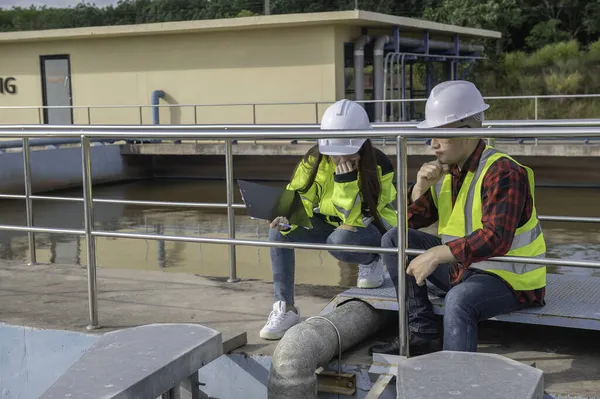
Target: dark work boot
x,y
417,346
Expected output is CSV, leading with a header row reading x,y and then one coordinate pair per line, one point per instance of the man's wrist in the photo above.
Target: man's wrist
x,y
417,192
443,254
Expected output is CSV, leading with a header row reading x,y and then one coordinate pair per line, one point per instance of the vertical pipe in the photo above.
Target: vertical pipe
x,y
254,114
141,116
88,212
40,116
399,80
378,76
359,68
386,68
28,201
401,183
89,115
230,211
403,67
535,105
412,93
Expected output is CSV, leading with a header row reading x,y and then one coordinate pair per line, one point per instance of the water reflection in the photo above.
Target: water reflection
x,y
569,240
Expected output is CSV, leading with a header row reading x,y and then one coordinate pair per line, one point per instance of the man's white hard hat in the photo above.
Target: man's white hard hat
x,y
343,115
452,101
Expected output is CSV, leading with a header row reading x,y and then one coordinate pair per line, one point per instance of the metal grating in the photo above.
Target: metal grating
x,y
571,301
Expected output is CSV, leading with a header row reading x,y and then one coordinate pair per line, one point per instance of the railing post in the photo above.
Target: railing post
x,y
28,201
230,211
401,183
89,115
535,107
88,219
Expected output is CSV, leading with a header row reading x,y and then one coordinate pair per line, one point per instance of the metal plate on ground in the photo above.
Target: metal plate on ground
x,y
571,301
467,376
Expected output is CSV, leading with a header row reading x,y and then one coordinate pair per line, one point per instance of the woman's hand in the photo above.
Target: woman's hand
x,y
345,167
280,223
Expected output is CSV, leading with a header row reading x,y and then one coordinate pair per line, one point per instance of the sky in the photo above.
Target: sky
x,y
52,3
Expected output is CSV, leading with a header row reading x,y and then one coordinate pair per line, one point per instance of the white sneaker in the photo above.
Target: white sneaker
x,y
371,275
279,321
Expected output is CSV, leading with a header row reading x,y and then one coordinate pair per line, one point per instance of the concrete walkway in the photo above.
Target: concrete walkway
x,y
55,296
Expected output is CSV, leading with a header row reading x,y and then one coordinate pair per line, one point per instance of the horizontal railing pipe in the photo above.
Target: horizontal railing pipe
x,y
26,229
396,100
571,219
176,132
533,261
286,126
219,205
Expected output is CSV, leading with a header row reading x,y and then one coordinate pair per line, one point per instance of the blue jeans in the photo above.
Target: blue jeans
x,y
283,260
479,296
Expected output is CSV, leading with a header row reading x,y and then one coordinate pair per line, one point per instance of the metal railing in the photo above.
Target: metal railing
x,y
253,107
56,141
400,134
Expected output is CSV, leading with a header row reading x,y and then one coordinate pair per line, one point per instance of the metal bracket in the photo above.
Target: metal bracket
x,y
338,383
385,364
379,386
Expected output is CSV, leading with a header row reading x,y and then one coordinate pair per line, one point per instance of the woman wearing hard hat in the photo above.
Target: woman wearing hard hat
x,y
347,188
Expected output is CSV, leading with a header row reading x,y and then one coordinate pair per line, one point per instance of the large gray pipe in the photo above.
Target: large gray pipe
x,y
378,69
359,67
313,343
378,75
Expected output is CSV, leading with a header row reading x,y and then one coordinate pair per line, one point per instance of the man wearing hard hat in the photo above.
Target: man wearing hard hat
x,y
483,201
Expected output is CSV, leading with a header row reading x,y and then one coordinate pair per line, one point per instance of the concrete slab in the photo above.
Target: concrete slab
x,y
55,296
148,364
471,376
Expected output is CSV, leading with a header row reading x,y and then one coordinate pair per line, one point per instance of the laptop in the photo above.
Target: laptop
x,y
267,202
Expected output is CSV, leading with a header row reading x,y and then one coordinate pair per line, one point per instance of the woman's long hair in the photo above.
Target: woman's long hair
x,y
368,178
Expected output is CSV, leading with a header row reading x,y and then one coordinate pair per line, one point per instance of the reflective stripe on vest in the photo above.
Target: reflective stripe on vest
x,y
528,240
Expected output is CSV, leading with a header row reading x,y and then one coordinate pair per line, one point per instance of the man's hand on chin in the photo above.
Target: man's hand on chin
x,y
423,265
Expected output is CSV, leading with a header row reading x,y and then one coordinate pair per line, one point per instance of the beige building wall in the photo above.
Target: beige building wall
x,y
252,66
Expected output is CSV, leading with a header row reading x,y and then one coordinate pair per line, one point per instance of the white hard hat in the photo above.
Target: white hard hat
x,y
452,101
343,115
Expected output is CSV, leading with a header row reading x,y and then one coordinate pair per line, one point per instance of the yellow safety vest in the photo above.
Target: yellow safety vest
x,y
465,216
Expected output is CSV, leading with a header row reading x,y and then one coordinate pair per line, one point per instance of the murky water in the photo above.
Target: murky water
x,y
568,240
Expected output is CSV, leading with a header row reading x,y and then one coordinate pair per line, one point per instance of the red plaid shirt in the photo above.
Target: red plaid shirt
x,y
507,205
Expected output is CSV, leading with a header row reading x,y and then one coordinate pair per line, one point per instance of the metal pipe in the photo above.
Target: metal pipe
x,y
300,134
154,100
401,184
314,342
230,211
359,66
28,201
378,75
88,217
328,247
219,205
7,227
572,219
37,107
274,127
